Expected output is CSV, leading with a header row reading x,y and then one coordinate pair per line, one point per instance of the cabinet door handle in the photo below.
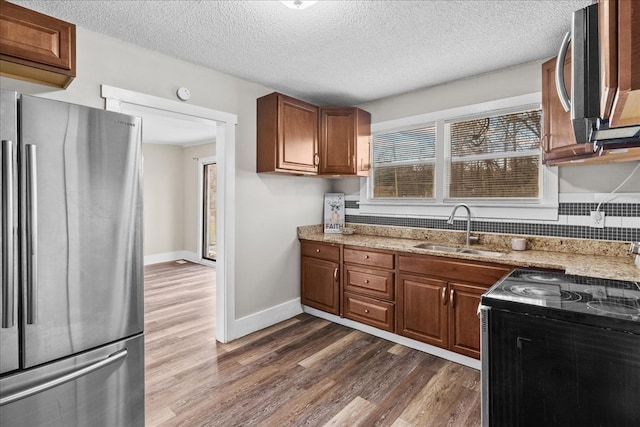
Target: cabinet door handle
x,y
335,275
316,159
443,296
452,295
317,251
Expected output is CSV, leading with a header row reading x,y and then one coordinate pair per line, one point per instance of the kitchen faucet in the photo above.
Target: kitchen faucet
x,y
453,214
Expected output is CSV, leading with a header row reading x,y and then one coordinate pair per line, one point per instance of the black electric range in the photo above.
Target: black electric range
x,y
612,304
560,350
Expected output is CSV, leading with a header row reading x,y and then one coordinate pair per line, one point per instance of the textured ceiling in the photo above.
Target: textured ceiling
x,y
335,52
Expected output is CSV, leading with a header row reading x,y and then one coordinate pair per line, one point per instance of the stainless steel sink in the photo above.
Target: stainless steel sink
x,y
437,247
479,252
453,249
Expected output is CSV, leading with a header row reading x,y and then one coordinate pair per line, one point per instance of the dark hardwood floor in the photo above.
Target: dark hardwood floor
x,y
304,371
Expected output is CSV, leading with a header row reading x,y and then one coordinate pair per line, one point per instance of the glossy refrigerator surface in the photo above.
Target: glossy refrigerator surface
x,y
85,265
72,339
108,396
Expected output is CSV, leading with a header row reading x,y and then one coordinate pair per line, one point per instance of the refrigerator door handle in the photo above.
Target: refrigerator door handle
x,y
8,248
31,235
111,359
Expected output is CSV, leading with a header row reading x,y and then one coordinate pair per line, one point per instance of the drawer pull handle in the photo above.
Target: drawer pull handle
x,y
366,310
317,251
366,281
443,296
366,257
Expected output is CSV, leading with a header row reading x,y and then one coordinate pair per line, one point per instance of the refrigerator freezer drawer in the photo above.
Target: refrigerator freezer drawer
x,y
100,388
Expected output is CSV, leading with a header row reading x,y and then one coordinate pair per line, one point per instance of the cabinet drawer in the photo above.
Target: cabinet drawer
x,y
454,269
368,257
369,281
318,250
369,311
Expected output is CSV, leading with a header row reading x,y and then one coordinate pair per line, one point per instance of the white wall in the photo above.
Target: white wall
x,y
268,208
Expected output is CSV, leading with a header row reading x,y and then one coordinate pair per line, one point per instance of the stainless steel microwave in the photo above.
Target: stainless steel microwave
x,y
584,100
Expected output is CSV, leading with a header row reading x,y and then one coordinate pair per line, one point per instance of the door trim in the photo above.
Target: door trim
x,y
122,100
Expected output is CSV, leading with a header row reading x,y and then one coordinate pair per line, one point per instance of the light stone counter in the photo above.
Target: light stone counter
x,y
592,258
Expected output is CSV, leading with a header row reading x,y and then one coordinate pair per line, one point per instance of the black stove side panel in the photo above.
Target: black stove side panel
x,y
545,372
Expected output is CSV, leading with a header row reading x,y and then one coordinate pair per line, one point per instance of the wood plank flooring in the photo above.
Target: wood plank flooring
x,y
304,371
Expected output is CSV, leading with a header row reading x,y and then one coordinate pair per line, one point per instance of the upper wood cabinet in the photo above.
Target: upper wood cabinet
x,y
287,135
345,134
558,140
36,47
626,105
298,138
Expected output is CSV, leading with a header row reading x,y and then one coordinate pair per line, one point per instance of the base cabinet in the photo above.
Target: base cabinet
x,y
464,324
422,309
438,300
369,287
320,277
430,299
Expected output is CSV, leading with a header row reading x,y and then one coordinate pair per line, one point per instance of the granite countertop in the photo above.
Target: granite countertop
x,y
592,258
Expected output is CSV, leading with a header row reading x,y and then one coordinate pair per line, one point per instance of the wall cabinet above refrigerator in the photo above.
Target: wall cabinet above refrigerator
x,y
36,47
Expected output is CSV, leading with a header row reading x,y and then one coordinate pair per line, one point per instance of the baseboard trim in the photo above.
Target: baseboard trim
x,y
265,318
171,256
408,342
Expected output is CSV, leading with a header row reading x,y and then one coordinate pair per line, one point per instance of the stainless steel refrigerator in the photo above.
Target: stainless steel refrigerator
x,y
71,339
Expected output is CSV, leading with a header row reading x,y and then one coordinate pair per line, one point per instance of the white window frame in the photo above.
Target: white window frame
x,y
545,208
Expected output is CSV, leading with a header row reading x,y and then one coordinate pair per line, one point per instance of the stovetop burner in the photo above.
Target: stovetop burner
x,y
615,308
547,293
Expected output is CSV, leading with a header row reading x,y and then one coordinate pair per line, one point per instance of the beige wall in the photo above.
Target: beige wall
x,y
163,188
268,208
171,197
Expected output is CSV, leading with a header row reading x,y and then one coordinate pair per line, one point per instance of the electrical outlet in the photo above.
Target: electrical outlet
x,y
597,219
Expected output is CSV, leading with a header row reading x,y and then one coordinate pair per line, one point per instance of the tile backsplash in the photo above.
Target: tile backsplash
x,y
573,222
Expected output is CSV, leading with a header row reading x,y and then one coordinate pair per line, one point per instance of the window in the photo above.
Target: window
x,y
487,155
404,163
494,157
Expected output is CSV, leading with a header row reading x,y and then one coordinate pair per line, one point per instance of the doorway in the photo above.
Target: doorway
x,y
122,100
208,172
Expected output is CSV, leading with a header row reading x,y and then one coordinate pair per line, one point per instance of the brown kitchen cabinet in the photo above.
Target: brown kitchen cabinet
x,y
437,300
320,276
369,287
626,105
464,325
36,47
287,135
422,309
345,134
558,141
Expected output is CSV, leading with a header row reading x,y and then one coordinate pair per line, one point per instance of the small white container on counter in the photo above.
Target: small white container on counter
x,y
518,244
